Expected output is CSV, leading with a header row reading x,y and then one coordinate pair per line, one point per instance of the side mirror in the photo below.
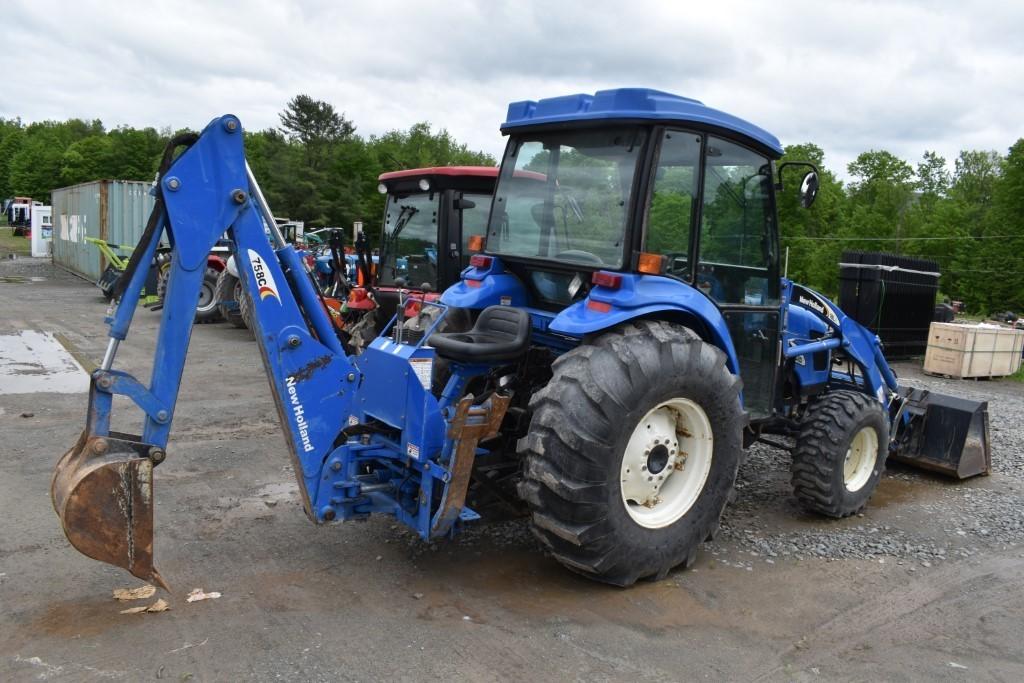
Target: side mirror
x,y
461,203
808,189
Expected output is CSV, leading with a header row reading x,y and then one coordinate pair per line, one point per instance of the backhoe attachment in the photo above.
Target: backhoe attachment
x,y
102,488
102,491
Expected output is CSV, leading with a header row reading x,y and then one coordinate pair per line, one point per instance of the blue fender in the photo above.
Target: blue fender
x,y
647,296
486,286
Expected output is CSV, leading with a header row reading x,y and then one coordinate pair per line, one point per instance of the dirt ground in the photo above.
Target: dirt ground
x,y
367,602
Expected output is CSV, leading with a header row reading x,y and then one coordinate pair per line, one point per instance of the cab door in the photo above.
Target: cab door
x,y
737,262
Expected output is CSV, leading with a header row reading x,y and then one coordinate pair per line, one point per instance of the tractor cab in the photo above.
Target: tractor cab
x,y
635,202
431,211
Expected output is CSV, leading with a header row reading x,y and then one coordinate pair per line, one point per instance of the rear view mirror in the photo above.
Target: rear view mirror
x,y
463,203
808,185
808,189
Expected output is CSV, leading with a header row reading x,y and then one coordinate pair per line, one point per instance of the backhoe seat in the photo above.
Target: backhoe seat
x,y
500,333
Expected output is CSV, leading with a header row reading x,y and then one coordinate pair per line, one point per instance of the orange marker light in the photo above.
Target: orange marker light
x,y
652,264
477,243
599,306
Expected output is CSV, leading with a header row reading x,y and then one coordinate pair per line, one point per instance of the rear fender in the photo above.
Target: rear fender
x,y
483,287
648,297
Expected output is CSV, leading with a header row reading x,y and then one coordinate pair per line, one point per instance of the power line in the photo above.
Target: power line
x,y
901,239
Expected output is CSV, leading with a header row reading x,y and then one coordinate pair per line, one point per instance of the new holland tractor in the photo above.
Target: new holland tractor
x,y
630,337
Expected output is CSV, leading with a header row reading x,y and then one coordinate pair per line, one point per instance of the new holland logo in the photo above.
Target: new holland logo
x,y
264,278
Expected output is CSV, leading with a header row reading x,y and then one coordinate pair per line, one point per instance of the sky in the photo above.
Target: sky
x,y
848,76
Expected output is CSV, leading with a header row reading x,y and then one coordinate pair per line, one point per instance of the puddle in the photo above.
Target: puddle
x,y
891,491
33,362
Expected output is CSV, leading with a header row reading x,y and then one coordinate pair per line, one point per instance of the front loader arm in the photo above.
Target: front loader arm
x,y
102,488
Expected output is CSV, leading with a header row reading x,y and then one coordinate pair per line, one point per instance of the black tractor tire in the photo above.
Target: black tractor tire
x,y
229,288
207,310
163,273
824,447
582,422
245,308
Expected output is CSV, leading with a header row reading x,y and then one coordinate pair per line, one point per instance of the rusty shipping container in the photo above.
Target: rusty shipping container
x,y
111,210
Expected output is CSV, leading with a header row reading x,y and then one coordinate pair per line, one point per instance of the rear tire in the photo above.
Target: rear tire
x,y
840,453
245,310
589,432
207,310
228,289
206,307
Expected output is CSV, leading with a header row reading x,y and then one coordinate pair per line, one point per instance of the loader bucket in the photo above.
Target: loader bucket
x,y
102,491
944,434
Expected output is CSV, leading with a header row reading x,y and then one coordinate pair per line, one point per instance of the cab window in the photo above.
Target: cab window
x,y
737,248
673,196
474,221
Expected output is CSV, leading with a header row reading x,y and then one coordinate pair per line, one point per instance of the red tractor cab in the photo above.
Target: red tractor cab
x,y
430,219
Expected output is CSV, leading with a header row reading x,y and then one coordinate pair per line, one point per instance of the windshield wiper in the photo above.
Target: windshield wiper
x,y
405,214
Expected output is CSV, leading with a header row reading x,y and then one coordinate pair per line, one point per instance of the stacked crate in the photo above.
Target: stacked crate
x,y
893,296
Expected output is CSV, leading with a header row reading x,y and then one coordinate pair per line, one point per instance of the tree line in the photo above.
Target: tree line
x,y
315,167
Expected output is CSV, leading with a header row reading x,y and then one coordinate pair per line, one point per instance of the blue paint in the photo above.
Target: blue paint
x,y
648,296
633,103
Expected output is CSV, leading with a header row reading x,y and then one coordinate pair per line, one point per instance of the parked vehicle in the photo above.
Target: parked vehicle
x,y
598,376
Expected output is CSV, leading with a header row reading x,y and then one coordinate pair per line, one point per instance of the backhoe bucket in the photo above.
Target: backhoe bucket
x,y
945,434
102,491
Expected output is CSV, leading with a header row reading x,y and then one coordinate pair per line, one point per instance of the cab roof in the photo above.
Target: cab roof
x,y
633,104
462,171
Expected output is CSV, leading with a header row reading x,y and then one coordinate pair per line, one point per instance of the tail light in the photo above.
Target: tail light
x,y
607,280
480,261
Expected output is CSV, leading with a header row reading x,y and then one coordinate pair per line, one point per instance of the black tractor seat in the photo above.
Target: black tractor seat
x,y
500,333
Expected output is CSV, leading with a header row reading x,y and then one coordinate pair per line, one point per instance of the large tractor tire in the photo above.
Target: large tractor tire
x,y
229,288
245,308
207,310
632,452
840,453
206,307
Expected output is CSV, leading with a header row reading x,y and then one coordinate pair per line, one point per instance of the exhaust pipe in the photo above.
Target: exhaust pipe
x,y
943,434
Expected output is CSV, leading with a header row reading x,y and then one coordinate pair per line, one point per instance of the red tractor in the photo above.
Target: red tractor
x,y
431,218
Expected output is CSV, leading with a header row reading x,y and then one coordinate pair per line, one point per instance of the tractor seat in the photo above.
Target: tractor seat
x,y
500,333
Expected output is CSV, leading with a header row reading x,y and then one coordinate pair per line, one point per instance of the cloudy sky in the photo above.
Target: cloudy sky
x,y
849,76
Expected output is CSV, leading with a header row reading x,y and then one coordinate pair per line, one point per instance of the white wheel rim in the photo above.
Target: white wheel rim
x,y
206,298
860,459
678,433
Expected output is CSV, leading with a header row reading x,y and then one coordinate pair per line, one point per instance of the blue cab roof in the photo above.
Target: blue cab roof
x,y
632,103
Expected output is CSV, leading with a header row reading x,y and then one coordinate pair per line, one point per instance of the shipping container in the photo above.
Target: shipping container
x,y
893,296
973,350
111,210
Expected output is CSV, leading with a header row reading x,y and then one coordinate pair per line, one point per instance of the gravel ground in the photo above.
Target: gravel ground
x,y
925,585
980,514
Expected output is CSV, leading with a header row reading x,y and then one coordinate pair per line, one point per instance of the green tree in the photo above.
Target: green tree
x,y
812,235
87,159
316,125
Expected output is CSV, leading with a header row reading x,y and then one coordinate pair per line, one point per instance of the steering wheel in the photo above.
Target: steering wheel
x,y
580,256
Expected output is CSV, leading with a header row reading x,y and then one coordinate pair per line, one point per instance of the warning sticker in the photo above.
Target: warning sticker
x,y
423,367
413,450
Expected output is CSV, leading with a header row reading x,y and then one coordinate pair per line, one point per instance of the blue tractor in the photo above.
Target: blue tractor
x,y
626,336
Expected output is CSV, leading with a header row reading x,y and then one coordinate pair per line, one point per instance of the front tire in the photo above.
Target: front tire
x,y
840,453
608,413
